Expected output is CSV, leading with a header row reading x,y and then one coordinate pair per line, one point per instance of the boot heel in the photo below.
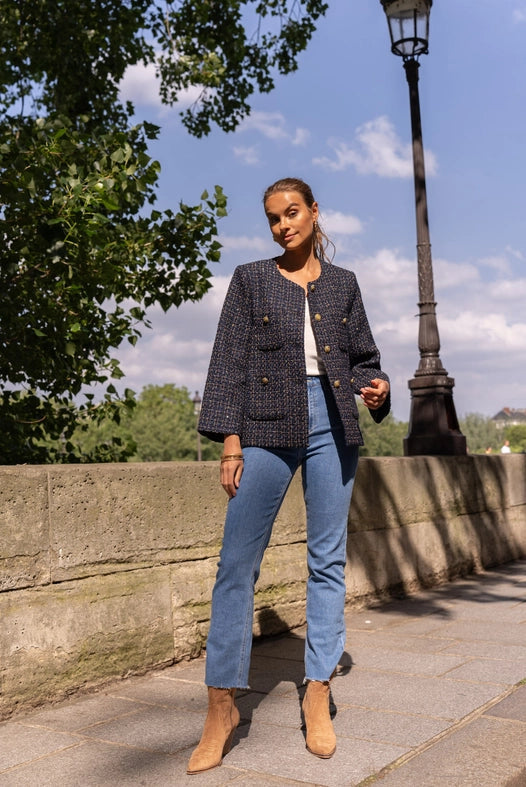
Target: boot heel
x,y
228,744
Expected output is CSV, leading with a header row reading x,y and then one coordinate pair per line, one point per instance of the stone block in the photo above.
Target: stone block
x,y
108,518
24,527
58,638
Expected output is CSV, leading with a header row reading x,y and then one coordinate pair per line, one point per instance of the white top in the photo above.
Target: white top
x,y
313,361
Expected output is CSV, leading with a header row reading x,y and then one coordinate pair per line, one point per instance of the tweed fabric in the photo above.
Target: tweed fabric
x,y
256,384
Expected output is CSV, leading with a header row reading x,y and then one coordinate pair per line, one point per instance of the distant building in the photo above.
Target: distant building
x,y
510,416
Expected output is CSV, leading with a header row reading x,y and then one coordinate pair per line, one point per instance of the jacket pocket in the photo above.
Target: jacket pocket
x,y
266,332
266,400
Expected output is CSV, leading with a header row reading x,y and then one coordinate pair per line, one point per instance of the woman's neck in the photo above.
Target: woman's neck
x,y
295,263
300,271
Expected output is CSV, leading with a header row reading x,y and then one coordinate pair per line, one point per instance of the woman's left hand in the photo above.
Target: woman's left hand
x,y
374,396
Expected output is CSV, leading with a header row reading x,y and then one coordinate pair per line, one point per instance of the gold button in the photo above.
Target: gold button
x,y
327,348
312,288
265,319
264,380
344,320
336,383
352,379
317,317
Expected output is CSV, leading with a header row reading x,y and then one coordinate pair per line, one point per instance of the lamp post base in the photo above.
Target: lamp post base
x,y
433,424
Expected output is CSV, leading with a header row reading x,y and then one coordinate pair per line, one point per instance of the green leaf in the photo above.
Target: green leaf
x,y
118,156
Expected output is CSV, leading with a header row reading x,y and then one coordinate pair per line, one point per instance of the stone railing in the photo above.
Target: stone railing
x,y
107,570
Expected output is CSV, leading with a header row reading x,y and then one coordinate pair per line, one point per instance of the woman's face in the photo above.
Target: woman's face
x,y
291,220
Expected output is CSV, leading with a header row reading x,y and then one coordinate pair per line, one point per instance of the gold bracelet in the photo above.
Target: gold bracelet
x,y
231,457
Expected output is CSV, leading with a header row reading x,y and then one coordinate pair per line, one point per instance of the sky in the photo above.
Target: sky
x,y
342,123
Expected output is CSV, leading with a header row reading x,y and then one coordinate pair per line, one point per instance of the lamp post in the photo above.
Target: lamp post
x,y
433,423
197,409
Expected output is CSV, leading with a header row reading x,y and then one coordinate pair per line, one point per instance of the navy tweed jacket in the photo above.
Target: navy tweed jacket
x,y
256,384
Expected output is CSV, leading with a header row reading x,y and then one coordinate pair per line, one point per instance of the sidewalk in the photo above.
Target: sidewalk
x,y
426,696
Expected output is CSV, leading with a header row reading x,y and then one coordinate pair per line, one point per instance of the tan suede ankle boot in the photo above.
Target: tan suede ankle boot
x,y
320,738
220,725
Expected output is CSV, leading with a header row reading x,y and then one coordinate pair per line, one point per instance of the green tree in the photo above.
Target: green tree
x,y
83,252
481,433
384,439
161,428
517,436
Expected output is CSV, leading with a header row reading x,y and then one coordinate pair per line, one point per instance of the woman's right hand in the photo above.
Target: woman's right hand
x,y
231,472
231,469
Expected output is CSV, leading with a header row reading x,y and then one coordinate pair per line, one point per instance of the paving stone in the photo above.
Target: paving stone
x,y
512,707
154,728
490,671
485,753
193,670
273,675
98,765
491,631
271,708
286,756
378,619
399,729
392,640
436,697
489,650
284,647
411,627
407,662
497,610
168,693
19,743
80,713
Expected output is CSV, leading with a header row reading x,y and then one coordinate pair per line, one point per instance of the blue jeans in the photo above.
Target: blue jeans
x,y
328,471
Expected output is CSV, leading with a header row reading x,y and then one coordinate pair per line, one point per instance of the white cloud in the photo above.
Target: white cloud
x,y
491,332
453,275
141,86
510,290
248,155
242,242
338,223
499,263
301,137
376,150
177,349
519,15
273,125
514,253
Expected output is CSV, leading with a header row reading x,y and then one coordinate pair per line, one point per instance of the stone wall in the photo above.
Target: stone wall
x,y
107,570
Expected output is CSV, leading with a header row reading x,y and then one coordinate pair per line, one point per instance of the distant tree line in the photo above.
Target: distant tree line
x,y
163,427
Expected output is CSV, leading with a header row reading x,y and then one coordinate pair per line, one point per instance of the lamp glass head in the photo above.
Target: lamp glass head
x,y
408,22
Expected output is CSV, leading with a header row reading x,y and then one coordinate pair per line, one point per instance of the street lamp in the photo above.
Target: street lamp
x,y
433,423
197,409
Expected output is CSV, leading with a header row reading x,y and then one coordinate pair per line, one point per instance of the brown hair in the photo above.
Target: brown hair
x,y
320,240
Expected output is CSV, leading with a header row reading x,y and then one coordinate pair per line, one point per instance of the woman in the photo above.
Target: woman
x,y
293,348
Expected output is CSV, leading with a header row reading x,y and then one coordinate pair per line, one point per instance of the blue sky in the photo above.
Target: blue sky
x,y
342,123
